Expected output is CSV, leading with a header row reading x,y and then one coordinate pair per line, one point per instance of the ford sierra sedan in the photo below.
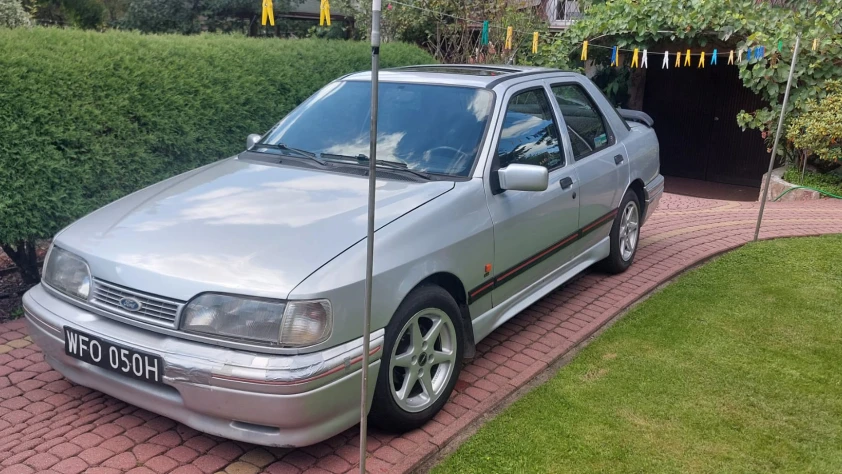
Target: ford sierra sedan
x,y
230,298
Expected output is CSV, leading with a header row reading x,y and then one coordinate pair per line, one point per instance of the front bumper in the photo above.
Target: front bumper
x,y
271,400
652,194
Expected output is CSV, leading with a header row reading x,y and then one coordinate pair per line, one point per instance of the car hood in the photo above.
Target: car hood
x,y
235,226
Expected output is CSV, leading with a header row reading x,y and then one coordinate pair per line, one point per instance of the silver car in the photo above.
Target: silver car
x,y
230,298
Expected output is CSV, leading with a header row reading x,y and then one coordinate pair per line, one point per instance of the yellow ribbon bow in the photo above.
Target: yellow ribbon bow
x,y
687,58
585,51
702,60
508,38
268,12
535,42
324,13
635,62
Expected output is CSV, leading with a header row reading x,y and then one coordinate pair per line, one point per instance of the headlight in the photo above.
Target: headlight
x,y
68,273
288,324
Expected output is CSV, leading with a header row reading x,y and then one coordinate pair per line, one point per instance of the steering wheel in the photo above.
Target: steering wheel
x,y
448,159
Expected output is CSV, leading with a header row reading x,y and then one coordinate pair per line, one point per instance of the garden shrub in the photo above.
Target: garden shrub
x,y
87,117
12,14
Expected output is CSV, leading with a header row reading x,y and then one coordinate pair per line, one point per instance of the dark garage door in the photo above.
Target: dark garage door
x,y
695,114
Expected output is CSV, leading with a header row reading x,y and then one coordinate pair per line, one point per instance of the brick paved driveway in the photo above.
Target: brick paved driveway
x,y
48,424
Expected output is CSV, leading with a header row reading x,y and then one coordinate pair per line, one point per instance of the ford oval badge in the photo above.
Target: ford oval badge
x,y
130,304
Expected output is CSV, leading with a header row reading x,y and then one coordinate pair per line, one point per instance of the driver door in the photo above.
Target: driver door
x,y
533,230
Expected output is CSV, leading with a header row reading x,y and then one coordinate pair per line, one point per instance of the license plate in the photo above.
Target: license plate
x,y
113,357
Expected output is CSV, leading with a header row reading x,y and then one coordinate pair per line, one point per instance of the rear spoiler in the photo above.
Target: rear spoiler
x,y
636,116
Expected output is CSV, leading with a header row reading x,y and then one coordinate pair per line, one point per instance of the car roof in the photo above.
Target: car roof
x,y
474,75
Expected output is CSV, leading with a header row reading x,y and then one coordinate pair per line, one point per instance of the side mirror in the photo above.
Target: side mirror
x,y
519,177
252,140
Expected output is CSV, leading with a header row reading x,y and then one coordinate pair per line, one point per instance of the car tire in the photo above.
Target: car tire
x,y
418,369
625,235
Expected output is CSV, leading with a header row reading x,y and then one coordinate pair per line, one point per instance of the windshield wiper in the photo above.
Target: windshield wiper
x,y
385,163
294,151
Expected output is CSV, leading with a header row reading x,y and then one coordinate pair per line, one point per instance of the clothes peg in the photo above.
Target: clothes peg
x,y
484,38
713,58
687,58
678,59
614,58
702,60
324,13
666,63
508,44
634,62
584,50
268,12
731,57
535,42
644,62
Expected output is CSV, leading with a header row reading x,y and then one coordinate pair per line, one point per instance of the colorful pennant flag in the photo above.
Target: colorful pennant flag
x,y
713,58
585,51
635,62
268,12
687,58
324,13
614,56
484,39
666,63
508,38
644,62
535,42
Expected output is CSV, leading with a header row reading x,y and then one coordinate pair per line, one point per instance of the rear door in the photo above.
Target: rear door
x,y
602,163
533,230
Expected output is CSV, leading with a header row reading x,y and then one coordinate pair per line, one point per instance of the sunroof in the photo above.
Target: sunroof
x,y
468,71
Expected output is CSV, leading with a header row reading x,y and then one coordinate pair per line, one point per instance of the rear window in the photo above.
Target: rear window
x,y
432,128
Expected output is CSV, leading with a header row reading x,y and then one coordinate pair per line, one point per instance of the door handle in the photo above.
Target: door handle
x,y
618,159
566,182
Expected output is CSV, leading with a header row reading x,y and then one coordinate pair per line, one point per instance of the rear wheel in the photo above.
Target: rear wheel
x,y
625,235
421,360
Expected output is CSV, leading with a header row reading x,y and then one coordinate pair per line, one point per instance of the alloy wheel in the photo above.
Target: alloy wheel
x,y
423,360
629,230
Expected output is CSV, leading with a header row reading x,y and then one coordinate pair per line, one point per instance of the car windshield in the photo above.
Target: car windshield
x,y
430,128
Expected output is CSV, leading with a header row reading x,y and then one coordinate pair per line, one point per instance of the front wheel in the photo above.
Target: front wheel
x,y
625,235
421,360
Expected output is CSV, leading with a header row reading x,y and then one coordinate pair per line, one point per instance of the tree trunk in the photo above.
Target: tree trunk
x,y
636,88
23,253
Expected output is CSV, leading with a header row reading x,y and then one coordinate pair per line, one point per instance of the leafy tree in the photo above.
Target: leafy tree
x,y
12,14
85,14
737,24
194,16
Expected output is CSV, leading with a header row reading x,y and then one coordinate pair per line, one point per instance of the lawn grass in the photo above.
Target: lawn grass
x,y
827,182
735,367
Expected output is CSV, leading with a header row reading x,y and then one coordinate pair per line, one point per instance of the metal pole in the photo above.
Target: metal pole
x,y
777,137
369,260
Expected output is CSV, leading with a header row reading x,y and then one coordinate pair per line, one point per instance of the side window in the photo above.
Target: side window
x,y
585,123
530,134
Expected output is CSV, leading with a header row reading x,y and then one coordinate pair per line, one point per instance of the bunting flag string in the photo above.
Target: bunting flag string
x,y
324,13
508,38
585,51
268,12
535,42
644,62
635,59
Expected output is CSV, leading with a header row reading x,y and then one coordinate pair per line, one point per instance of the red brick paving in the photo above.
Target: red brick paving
x,y
48,424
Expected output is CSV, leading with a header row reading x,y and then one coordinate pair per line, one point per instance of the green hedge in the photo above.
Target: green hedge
x,y
88,117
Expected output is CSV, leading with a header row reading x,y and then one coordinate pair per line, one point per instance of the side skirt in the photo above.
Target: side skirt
x,y
485,323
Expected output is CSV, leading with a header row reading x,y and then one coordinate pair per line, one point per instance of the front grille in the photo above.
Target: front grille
x,y
153,309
